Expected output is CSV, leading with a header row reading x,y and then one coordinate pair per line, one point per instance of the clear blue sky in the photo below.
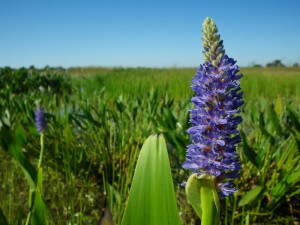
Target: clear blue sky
x,y
148,33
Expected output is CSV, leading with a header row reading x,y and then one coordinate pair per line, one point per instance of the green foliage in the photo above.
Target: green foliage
x,y
263,84
39,212
3,220
23,81
15,149
202,195
151,199
250,196
95,133
271,157
249,152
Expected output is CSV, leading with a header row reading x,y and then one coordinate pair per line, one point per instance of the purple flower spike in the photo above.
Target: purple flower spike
x,y
40,121
217,99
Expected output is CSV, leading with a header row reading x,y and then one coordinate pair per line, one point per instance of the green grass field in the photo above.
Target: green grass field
x,y
98,119
262,82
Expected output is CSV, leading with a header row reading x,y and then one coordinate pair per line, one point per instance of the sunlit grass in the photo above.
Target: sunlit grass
x,y
95,134
263,82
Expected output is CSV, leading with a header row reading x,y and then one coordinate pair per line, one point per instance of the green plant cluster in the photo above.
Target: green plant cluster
x,y
24,81
91,147
94,137
263,83
270,179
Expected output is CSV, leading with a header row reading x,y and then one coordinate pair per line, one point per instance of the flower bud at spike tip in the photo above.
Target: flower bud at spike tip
x,y
217,99
40,121
213,46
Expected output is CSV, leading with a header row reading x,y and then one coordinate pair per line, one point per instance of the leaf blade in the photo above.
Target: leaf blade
x,y
152,199
251,195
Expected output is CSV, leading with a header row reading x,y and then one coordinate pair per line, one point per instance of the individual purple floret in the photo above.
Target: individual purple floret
x,y
214,122
40,121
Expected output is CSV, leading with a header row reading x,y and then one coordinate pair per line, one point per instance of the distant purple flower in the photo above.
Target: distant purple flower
x,y
214,122
40,121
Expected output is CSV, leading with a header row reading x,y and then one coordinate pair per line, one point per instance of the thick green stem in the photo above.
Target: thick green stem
x,y
209,203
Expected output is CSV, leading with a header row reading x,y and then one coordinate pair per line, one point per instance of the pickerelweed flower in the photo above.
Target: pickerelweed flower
x,y
217,99
40,121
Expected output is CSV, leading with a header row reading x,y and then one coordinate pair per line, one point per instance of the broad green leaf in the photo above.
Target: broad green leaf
x,y
294,116
261,120
6,138
297,192
152,199
275,120
202,195
251,195
254,115
153,94
263,126
279,190
293,178
15,150
192,189
286,154
39,211
3,220
170,119
278,105
249,152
